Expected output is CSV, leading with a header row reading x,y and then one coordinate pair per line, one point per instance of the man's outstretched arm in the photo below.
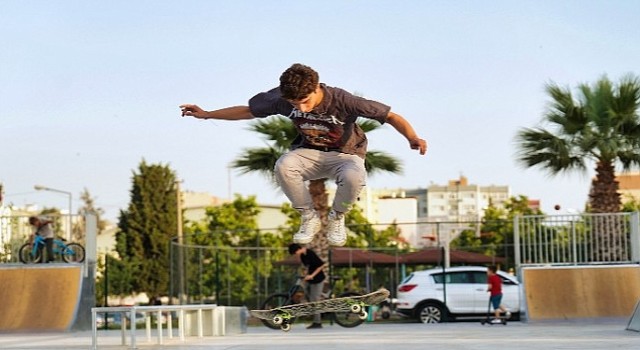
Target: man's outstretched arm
x,y
229,113
404,128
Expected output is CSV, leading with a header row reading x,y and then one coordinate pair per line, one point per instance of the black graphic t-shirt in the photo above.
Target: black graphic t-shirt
x,y
312,261
331,125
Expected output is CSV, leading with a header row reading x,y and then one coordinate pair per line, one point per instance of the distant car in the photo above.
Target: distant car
x,y
421,294
112,318
115,318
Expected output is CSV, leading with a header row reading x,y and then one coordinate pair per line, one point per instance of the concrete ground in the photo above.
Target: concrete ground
x,y
579,334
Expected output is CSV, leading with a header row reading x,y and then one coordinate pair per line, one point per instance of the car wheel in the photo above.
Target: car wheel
x,y
431,313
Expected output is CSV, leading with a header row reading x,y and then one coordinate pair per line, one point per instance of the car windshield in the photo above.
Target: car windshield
x,y
407,279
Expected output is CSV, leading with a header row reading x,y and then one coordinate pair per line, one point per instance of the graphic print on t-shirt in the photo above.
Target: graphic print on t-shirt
x,y
318,129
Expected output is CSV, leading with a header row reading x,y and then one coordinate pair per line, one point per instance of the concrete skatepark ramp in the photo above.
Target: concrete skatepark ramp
x,y
573,292
40,297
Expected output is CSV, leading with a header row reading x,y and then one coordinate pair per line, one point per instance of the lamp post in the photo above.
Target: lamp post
x,y
44,188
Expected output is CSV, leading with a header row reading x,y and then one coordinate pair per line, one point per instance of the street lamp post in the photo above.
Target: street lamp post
x,y
44,188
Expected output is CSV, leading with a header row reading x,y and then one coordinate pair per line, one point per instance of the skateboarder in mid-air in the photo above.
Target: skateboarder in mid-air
x,y
330,144
314,277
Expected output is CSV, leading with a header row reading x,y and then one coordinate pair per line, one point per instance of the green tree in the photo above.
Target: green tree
x,y
601,124
145,231
228,229
496,229
120,275
630,205
280,133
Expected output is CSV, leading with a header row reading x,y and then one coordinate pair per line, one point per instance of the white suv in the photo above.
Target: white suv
x,y
422,294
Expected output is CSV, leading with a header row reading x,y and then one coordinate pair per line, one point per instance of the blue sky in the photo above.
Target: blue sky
x,y
89,89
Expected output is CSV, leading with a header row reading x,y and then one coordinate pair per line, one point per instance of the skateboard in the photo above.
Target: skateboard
x,y
284,315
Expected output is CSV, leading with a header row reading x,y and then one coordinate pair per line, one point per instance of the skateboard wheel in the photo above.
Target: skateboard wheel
x,y
286,327
356,308
277,320
363,315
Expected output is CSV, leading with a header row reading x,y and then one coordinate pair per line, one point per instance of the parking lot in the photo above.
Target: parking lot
x,y
579,334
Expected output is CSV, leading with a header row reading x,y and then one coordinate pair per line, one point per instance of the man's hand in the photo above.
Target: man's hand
x,y
228,113
193,111
404,128
419,144
308,278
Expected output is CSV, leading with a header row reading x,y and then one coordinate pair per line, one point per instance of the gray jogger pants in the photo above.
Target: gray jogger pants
x,y
303,164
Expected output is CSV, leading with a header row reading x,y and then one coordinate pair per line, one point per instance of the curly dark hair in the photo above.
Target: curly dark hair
x,y
298,81
293,248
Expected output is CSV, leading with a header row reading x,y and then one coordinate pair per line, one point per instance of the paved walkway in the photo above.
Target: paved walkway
x,y
589,334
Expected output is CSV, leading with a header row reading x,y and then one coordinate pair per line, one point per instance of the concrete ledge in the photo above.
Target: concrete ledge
x,y
222,320
193,320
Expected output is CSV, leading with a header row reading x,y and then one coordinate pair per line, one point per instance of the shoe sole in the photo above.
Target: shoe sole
x,y
337,244
302,241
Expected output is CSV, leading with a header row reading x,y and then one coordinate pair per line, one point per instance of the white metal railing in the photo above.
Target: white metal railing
x,y
217,318
581,239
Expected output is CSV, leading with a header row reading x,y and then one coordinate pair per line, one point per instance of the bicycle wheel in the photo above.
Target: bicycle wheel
x,y
347,319
28,256
273,301
73,253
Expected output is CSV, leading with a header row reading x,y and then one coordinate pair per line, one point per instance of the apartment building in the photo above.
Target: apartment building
x,y
432,215
629,186
460,201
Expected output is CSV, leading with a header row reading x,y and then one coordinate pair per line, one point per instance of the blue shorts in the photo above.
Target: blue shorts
x,y
496,300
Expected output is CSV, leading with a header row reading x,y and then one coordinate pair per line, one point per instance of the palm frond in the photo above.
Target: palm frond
x,y
377,161
278,129
261,160
539,147
368,124
280,132
564,112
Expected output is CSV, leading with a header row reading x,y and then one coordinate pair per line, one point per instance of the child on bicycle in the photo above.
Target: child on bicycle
x,y
314,277
43,229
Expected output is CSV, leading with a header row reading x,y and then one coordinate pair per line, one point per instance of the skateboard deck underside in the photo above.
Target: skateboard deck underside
x,y
343,304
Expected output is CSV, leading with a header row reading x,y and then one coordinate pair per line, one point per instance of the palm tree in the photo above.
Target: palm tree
x,y
280,132
601,125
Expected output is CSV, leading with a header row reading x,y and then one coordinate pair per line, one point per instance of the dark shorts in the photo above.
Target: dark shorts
x,y
495,301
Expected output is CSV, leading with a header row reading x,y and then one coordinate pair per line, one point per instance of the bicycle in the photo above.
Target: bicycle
x,y
31,253
297,294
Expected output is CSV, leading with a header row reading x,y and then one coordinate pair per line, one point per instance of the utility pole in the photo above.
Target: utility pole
x,y
180,257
